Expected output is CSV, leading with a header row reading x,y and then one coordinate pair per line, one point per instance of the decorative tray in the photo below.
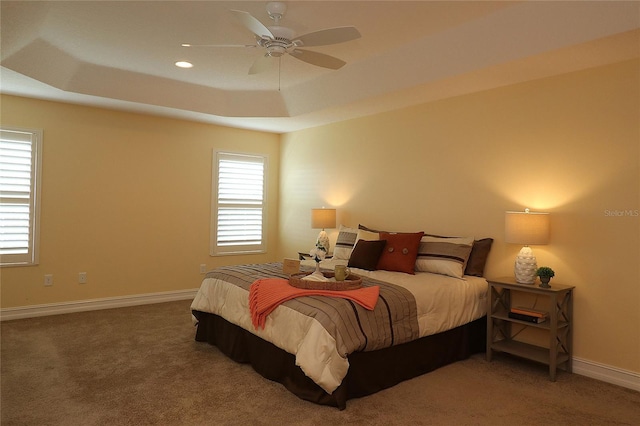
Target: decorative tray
x,y
352,282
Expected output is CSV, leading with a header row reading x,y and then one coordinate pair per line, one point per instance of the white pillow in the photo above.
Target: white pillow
x,y
367,235
445,256
347,238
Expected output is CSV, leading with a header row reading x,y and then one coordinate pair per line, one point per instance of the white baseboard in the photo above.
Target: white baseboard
x,y
606,373
94,304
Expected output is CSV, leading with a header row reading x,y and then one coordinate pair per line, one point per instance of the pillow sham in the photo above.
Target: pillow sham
x,y
445,256
367,235
478,257
365,228
366,254
345,242
400,253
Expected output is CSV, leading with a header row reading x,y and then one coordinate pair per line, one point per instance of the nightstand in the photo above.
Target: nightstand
x,y
559,326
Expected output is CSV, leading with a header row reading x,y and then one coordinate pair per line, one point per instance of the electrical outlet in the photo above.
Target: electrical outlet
x,y
203,268
48,280
82,277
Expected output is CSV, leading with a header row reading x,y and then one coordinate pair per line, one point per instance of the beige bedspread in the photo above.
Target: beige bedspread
x,y
413,306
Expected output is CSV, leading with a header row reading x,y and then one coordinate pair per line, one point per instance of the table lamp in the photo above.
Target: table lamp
x,y
526,228
323,219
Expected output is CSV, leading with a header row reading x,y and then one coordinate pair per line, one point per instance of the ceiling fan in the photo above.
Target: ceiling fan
x,y
277,40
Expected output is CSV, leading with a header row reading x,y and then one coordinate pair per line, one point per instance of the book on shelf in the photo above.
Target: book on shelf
x,y
530,312
527,318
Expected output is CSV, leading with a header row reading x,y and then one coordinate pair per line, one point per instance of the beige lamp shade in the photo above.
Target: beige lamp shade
x,y
526,228
323,218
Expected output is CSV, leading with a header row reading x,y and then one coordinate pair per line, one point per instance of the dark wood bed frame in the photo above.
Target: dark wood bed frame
x,y
369,372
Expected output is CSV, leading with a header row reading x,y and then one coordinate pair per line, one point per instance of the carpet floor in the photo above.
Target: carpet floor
x,y
142,366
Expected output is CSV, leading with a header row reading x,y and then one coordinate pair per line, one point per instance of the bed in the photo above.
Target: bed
x,y
331,349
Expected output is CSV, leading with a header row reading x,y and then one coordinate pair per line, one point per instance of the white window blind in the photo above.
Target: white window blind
x,y
238,204
19,196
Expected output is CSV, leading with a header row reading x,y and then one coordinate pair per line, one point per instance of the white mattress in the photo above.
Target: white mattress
x,y
442,302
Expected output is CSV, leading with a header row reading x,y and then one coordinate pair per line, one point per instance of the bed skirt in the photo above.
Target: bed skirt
x,y
369,372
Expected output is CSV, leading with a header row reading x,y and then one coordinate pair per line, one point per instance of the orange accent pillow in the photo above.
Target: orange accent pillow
x,y
401,251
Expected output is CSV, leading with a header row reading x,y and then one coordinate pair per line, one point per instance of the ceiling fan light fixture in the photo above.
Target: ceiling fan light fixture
x,y
276,51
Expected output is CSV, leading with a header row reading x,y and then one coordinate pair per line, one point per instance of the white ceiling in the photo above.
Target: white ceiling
x,y
121,54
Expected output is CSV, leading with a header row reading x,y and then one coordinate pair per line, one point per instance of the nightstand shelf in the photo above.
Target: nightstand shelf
x,y
527,351
558,326
544,325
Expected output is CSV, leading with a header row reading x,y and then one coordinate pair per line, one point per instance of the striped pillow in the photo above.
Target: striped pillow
x,y
347,238
445,256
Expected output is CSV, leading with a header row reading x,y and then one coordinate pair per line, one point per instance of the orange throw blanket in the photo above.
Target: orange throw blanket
x,y
266,294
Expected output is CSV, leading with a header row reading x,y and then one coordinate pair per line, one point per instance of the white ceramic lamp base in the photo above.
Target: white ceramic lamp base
x,y
323,240
525,266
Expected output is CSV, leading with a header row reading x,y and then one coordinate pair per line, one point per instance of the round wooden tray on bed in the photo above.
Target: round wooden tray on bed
x,y
352,282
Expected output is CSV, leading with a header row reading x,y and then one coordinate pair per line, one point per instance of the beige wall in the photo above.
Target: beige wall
x,y
568,145
125,198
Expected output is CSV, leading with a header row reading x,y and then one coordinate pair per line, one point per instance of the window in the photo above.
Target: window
x,y
20,164
239,204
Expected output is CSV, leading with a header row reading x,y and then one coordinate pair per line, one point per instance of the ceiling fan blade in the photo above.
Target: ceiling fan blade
x,y
217,45
328,36
319,59
261,64
252,24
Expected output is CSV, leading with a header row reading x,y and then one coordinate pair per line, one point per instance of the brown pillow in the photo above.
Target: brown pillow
x,y
478,257
365,254
365,228
400,252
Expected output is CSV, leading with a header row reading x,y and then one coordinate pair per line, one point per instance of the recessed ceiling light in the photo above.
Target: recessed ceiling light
x,y
184,64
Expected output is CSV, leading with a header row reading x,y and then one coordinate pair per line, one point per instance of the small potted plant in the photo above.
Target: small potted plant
x,y
545,273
